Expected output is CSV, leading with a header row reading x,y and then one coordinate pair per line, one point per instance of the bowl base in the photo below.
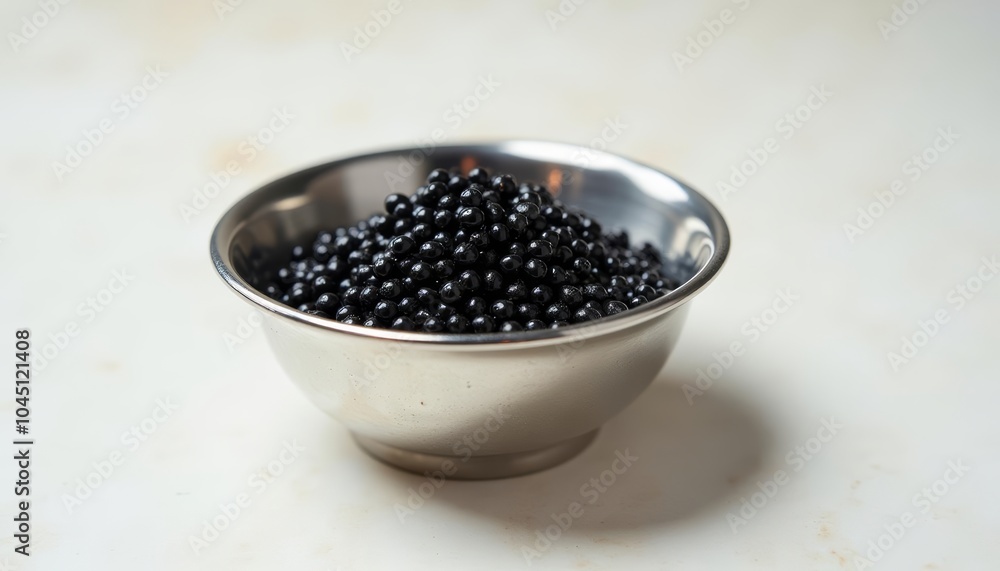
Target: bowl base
x,y
477,467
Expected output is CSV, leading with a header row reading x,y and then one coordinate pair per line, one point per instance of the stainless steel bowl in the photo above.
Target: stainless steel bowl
x,y
473,405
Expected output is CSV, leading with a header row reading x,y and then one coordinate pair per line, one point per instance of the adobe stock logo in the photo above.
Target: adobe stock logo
x,y
712,30
364,35
32,25
591,491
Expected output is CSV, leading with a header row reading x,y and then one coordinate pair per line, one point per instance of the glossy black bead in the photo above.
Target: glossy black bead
x,y
502,309
286,275
383,266
450,291
444,268
422,231
427,296
458,324
516,290
492,280
348,311
563,254
557,312
471,196
385,309
506,185
595,291
571,219
442,218
541,249
517,222
471,217
424,214
570,295
466,253
510,326
437,189
499,233
470,280
483,324
619,282
297,296
643,290
431,250
582,266
402,226
495,212
420,316
637,301
479,175
369,296
541,294
323,284
586,314
535,268
510,264
337,268
527,311
535,325
273,291
407,305
322,252
444,311
517,249
438,175
528,195
613,307
390,289
528,210
475,306
421,271
457,183
479,239
448,202
556,276
403,324
434,325
327,303
351,295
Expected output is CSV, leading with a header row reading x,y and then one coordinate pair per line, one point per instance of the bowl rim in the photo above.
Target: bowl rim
x,y
685,292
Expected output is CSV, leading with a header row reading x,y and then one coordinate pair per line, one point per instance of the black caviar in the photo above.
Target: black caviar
x,y
471,254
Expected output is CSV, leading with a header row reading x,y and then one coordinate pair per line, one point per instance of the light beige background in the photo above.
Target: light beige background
x,y
169,334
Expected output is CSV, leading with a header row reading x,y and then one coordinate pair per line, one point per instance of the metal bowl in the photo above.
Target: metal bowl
x,y
473,405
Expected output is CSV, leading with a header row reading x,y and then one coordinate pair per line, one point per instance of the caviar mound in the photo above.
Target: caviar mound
x,y
471,254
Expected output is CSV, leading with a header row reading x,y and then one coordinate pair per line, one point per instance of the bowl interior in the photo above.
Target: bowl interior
x,y
258,233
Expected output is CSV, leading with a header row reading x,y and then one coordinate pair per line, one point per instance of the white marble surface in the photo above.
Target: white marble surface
x,y
164,335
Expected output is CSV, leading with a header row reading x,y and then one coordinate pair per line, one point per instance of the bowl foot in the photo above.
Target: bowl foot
x,y
477,467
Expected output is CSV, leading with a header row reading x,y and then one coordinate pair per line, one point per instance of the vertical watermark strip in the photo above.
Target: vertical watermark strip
x,y
22,444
